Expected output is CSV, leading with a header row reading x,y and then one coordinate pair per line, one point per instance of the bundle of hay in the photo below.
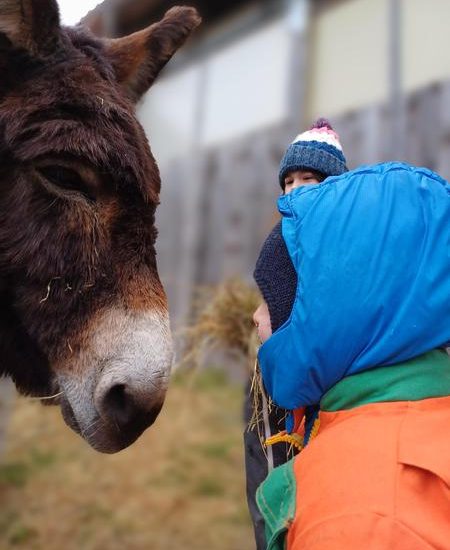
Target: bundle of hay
x,y
223,320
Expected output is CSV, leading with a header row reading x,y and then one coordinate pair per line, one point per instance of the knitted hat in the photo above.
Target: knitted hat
x,y
317,149
276,278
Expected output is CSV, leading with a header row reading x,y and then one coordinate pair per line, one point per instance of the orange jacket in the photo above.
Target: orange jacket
x,y
377,474
376,478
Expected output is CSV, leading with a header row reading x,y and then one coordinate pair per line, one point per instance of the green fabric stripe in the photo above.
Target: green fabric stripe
x,y
423,377
276,501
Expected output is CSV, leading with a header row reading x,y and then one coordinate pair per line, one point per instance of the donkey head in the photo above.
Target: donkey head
x,y
82,311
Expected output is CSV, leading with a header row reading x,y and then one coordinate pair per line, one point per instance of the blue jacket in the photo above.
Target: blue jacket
x,y
372,253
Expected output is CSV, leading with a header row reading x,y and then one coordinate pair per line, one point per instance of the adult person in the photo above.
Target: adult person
x,y
361,364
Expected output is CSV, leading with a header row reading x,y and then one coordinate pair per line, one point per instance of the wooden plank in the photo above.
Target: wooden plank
x,y
443,154
7,394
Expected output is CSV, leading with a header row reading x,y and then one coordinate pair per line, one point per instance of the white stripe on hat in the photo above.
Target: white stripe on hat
x,y
320,136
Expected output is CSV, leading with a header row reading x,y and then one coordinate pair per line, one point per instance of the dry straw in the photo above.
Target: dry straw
x,y
223,320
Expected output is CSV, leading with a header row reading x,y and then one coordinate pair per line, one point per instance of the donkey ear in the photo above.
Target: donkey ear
x,y
139,57
32,25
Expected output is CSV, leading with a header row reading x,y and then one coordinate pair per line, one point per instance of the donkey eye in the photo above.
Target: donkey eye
x,y
65,178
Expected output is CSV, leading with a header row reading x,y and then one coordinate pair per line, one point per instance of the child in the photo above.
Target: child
x,y
309,159
363,341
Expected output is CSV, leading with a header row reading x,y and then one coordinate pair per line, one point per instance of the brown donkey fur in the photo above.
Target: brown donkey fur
x,y
82,311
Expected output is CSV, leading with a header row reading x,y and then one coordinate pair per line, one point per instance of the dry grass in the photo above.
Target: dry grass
x,y
223,321
180,487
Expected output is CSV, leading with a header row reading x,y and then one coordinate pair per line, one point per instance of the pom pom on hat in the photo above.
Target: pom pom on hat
x,y
317,149
322,123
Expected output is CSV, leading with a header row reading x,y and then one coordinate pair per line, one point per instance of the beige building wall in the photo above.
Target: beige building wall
x,y
426,52
349,50
233,91
349,65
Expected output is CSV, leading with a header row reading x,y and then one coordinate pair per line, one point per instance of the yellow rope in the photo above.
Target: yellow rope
x,y
315,429
293,439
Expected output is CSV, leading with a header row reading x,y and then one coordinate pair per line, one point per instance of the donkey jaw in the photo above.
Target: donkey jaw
x,y
115,387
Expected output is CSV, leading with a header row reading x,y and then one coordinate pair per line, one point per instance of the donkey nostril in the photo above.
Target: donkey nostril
x,y
122,409
119,405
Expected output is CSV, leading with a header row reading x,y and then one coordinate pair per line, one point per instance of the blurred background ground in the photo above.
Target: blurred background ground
x,y
181,486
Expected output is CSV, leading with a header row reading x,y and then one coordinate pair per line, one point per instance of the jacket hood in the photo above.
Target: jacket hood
x,y
371,249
